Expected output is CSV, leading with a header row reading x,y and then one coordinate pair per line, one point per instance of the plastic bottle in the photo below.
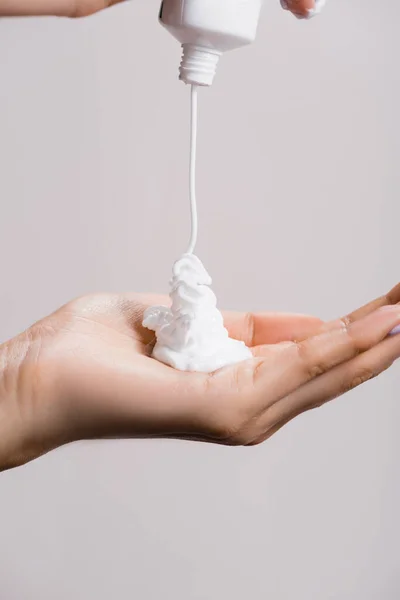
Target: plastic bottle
x,y
206,29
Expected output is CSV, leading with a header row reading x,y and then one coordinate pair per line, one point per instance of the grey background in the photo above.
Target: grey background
x,y
298,190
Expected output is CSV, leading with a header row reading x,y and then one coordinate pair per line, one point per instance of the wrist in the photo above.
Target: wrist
x,y
27,422
10,424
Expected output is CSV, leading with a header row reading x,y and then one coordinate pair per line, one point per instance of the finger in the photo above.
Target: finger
x,y
251,328
84,8
392,297
256,329
389,299
299,363
10,8
271,350
331,385
303,9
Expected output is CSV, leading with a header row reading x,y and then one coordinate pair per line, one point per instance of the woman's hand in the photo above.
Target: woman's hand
x,y
86,372
60,8
82,8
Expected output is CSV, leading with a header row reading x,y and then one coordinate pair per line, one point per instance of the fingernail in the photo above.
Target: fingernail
x,y
313,12
395,331
284,5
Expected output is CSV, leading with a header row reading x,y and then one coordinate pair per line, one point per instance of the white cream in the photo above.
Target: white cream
x,y
191,335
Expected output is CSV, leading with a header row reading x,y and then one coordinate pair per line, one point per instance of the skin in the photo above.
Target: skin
x,y
83,8
85,372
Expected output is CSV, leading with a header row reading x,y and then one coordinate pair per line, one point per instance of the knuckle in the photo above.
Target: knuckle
x,y
258,372
362,376
349,338
319,355
316,370
393,297
314,367
82,8
93,304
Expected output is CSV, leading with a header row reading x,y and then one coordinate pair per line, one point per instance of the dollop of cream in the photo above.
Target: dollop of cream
x,y
190,334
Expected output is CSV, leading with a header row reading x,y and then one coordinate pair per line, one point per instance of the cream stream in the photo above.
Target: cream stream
x,y
190,334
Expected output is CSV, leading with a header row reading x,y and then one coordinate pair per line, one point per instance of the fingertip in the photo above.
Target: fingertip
x,y
395,331
393,297
385,321
303,9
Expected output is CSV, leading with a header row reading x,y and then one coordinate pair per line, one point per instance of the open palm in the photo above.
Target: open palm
x,y
86,372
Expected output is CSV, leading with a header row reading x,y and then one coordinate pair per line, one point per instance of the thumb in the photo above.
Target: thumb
x,y
303,9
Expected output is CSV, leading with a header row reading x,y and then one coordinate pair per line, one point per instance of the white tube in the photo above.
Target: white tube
x,y
206,29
